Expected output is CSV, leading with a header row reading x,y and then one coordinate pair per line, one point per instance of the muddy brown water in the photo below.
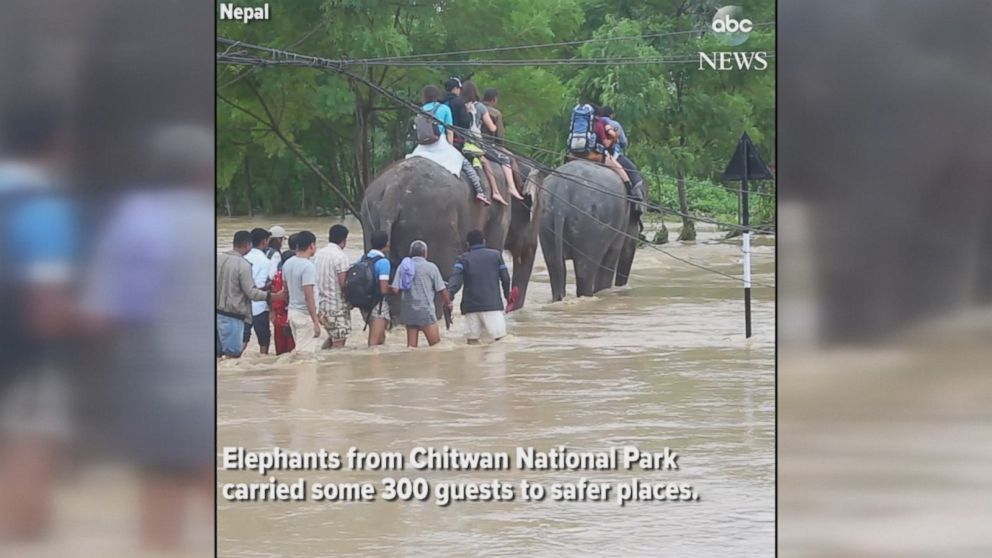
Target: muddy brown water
x,y
661,362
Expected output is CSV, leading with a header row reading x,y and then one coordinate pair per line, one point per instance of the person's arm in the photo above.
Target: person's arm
x,y
309,281
444,113
455,281
395,287
488,121
441,289
342,270
248,284
504,278
383,268
312,308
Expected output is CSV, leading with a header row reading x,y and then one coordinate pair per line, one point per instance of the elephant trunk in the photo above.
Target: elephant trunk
x,y
523,266
627,253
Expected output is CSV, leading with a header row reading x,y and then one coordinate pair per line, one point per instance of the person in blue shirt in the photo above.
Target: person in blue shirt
x,y
378,316
442,152
39,225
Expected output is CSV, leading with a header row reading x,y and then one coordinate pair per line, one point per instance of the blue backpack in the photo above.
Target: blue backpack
x,y
581,135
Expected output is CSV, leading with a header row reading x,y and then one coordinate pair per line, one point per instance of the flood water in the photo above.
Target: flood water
x,y
661,362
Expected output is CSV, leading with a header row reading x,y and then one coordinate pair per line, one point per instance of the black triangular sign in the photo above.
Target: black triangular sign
x,y
756,168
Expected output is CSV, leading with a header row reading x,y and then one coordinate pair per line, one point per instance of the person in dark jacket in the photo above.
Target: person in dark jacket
x,y
459,113
485,277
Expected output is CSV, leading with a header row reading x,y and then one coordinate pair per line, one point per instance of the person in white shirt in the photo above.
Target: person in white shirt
x,y
332,267
277,234
260,274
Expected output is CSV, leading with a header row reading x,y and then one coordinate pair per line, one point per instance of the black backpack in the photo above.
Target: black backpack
x,y
427,130
361,284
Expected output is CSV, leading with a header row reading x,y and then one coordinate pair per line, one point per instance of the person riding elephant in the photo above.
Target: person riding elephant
x,y
475,148
636,190
436,143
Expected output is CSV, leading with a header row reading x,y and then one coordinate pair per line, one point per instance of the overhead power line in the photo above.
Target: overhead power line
x,y
550,45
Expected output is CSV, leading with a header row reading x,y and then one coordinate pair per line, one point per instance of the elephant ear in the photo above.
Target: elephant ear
x,y
533,183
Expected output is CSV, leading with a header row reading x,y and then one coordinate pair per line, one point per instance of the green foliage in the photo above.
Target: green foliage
x,y
301,140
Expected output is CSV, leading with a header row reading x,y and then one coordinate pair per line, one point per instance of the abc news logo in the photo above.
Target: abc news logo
x,y
732,31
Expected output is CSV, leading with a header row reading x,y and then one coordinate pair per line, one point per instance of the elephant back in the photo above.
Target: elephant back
x,y
585,184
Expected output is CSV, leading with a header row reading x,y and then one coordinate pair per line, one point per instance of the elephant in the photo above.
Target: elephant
x,y
577,195
417,199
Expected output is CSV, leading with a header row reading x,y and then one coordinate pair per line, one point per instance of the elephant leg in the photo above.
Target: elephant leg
x,y
554,258
585,275
604,273
626,259
556,275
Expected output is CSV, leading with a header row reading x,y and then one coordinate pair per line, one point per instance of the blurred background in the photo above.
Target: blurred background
x,y
885,285
106,273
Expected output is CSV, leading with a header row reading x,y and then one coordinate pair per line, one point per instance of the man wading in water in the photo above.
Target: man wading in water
x,y
235,291
419,282
301,282
484,275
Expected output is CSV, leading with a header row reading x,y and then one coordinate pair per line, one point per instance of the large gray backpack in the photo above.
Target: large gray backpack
x,y
427,129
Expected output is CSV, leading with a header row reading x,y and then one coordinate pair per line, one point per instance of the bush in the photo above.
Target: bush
x,y
704,198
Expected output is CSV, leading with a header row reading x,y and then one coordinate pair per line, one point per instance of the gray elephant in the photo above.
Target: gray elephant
x,y
577,203
417,198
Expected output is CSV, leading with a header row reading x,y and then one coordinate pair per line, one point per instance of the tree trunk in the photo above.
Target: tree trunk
x,y
248,186
661,236
362,144
399,138
227,202
688,227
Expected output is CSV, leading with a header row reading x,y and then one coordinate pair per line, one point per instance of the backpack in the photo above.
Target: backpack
x,y
428,131
581,135
361,285
473,111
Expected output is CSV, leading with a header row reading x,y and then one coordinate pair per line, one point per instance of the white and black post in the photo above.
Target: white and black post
x,y
744,165
746,245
